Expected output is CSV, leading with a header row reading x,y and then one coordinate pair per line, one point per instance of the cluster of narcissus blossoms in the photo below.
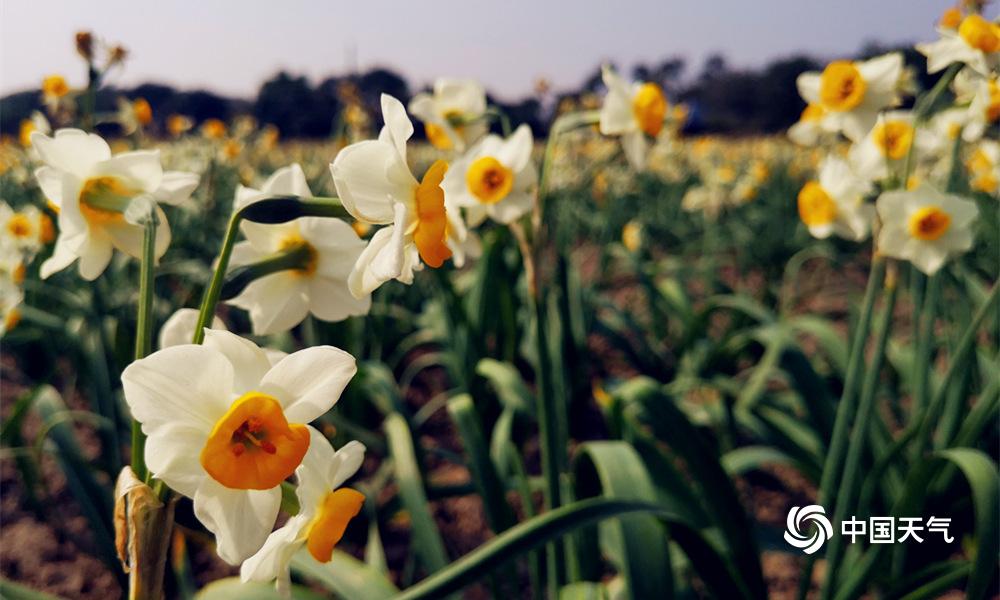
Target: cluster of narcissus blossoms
x,y
226,422
904,159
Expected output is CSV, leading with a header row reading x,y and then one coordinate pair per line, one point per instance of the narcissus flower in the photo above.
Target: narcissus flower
x,y
851,94
808,129
494,179
884,150
325,509
179,327
984,167
25,230
91,190
280,301
452,114
984,108
376,186
225,427
925,226
976,43
635,112
835,204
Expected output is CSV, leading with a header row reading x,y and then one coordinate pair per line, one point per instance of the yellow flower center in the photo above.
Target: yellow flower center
x,y
489,180
950,18
986,182
327,527
815,205
143,111
361,228
213,129
841,86
54,86
650,107
18,274
253,446
929,223
812,112
993,108
27,128
19,226
893,138
178,124
296,242
632,236
980,33
11,319
438,135
103,199
431,228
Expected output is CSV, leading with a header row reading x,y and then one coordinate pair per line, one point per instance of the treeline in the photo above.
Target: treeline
x,y
721,99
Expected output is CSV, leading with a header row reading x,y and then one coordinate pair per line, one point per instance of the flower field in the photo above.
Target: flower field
x,y
439,353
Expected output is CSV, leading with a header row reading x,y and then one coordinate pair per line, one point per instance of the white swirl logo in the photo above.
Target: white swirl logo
x,y
803,515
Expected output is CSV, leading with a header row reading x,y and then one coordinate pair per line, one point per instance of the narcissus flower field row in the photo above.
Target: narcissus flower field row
x,y
616,323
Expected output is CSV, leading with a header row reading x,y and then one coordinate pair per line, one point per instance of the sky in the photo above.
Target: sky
x,y
232,47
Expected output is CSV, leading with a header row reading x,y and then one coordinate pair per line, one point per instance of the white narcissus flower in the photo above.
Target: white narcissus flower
x,y
984,167
324,512
925,226
225,427
453,114
280,301
179,327
852,93
25,230
835,204
495,179
635,112
808,129
976,43
885,148
984,108
376,186
81,181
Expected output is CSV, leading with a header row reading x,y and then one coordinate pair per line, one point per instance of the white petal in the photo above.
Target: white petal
x,y
140,168
71,150
272,560
360,173
309,382
276,302
808,86
332,300
172,455
616,113
179,328
287,180
397,124
240,519
181,384
94,258
249,361
516,152
176,187
635,147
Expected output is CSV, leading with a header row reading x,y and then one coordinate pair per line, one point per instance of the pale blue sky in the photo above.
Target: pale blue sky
x,y
232,47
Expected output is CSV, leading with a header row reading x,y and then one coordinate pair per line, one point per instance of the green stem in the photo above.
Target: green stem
x,y
866,408
295,258
922,359
845,410
144,331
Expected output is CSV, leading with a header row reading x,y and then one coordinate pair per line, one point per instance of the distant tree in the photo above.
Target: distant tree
x,y
292,105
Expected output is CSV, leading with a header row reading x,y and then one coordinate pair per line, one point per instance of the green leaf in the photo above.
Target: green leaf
x,y
345,576
508,385
583,590
484,474
427,543
232,587
636,544
981,473
522,538
15,591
